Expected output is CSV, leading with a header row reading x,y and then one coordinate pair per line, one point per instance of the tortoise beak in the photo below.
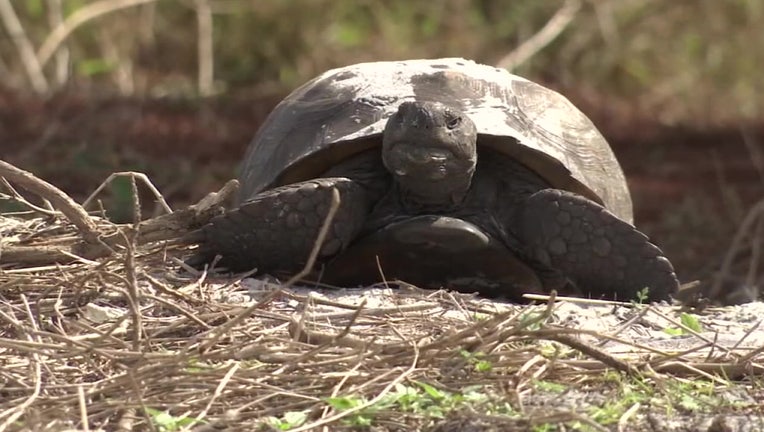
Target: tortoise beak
x,y
426,162
427,155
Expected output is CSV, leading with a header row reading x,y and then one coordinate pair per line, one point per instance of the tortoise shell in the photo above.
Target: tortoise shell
x,y
343,112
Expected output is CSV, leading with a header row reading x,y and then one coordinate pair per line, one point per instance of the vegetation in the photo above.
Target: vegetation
x,y
684,61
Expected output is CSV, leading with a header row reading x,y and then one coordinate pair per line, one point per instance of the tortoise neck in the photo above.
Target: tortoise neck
x,y
423,196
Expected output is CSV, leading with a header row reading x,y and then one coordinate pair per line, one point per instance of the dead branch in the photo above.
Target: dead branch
x,y
131,174
205,51
56,18
589,350
743,233
556,25
162,228
73,211
32,66
75,20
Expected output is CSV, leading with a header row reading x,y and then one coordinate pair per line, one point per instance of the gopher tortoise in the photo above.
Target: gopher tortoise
x,y
450,174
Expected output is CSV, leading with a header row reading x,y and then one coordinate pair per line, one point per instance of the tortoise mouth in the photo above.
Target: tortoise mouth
x,y
428,175
432,173
422,163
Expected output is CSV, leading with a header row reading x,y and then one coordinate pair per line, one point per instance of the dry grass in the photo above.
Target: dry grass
x,y
134,341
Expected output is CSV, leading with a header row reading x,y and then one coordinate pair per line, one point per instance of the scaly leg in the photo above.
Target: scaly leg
x,y
277,229
601,254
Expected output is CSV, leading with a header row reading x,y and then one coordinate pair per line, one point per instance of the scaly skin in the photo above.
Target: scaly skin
x,y
602,255
277,229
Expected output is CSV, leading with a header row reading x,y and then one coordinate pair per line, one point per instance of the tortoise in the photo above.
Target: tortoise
x,y
450,174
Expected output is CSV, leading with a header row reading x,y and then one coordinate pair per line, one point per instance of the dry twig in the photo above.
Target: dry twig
x,y
73,211
743,232
205,53
556,25
32,66
170,227
78,18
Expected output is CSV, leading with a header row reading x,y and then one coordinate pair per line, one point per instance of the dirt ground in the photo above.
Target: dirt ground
x,y
691,185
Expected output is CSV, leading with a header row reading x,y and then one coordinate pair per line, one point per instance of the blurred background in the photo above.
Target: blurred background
x,y
177,88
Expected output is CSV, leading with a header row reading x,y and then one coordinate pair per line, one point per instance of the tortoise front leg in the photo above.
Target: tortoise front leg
x,y
277,229
602,255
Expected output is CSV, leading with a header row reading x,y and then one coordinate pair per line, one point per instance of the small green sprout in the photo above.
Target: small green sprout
x,y
290,420
477,360
688,320
643,295
166,422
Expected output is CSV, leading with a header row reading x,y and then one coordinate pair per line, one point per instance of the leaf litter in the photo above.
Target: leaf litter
x,y
131,339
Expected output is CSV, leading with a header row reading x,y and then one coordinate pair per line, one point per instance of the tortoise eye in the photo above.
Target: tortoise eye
x,y
453,122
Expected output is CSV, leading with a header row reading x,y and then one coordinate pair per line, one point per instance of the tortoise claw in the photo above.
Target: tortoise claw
x,y
277,229
601,254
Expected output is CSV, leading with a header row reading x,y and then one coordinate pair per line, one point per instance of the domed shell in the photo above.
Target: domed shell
x,y
343,112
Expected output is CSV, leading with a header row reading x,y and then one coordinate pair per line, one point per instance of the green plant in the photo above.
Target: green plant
x,y
361,418
422,399
549,386
643,295
477,360
166,422
290,420
688,320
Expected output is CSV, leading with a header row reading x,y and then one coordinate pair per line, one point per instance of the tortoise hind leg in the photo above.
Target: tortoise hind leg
x,y
277,229
601,254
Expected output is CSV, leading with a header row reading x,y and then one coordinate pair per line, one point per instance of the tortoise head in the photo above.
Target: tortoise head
x,y
431,150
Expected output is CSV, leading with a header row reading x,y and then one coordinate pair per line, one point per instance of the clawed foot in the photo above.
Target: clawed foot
x,y
601,254
277,229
